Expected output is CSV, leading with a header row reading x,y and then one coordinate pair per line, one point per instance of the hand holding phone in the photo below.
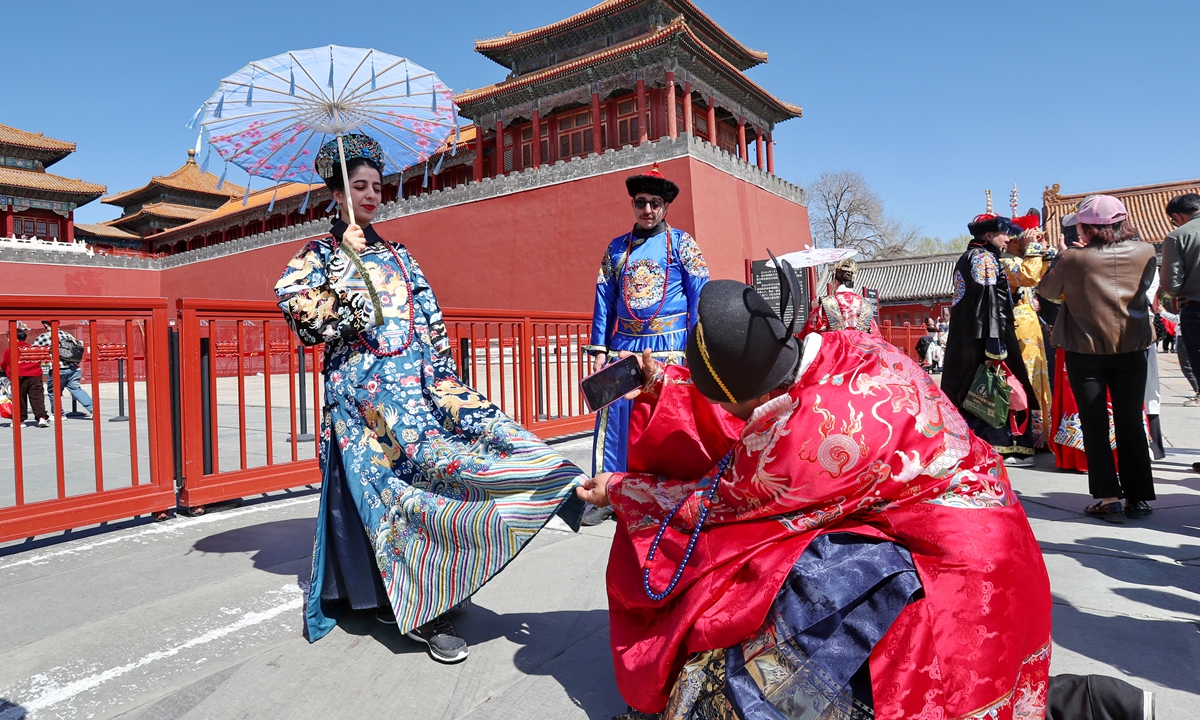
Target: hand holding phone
x,y
612,382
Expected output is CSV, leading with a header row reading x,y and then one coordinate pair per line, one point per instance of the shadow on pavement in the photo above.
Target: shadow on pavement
x,y
276,545
1161,651
10,710
1162,600
1126,561
582,665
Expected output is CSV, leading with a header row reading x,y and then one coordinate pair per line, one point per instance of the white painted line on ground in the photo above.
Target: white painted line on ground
x,y
54,694
166,528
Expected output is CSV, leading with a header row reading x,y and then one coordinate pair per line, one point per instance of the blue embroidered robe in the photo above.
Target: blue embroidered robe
x,y
630,288
428,489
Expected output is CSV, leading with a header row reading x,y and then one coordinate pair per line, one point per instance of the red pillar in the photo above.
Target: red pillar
x,y
499,159
597,147
672,123
760,151
477,168
70,233
687,108
742,152
536,150
770,154
643,119
712,122
8,221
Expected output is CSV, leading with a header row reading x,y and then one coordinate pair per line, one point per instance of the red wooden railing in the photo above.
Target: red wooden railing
x,y
97,488
903,336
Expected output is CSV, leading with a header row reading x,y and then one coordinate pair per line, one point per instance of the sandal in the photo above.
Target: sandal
x,y
1115,507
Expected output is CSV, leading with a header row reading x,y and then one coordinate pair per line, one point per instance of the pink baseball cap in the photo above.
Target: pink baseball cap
x,y
1101,210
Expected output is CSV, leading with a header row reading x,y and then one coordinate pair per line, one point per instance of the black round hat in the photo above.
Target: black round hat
x,y
739,349
652,183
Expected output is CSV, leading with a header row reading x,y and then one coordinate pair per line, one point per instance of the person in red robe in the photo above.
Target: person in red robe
x,y
844,308
809,529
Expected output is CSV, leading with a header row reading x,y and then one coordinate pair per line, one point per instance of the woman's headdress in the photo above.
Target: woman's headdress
x,y
356,146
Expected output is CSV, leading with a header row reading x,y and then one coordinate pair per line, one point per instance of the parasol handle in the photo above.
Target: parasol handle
x,y
354,258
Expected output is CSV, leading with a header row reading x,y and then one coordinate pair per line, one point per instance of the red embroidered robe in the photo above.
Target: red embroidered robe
x,y
863,443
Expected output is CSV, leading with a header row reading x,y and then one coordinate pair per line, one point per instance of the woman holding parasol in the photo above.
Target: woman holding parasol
x,y
429,490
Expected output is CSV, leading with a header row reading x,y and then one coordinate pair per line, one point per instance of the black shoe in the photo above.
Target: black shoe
x,y
596,515
1138,509
385,615
444,644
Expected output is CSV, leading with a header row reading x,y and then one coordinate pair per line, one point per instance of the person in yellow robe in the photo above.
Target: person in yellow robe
x,y
1027,259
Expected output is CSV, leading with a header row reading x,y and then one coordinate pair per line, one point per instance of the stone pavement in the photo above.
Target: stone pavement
x,y
200,617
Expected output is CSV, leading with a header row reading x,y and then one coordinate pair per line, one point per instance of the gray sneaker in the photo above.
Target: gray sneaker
x,y
444,644
595,515
1019,461
1192,402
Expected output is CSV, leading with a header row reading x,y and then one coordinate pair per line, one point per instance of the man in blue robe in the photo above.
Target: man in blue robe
x,y
646,293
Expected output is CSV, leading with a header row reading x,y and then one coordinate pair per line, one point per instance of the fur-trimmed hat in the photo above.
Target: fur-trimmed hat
x,y
984,224
652,183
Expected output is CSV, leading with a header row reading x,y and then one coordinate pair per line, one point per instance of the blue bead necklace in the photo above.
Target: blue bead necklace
x,y
713,481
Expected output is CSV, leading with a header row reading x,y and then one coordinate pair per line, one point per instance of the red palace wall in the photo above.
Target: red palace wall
x,y
538,249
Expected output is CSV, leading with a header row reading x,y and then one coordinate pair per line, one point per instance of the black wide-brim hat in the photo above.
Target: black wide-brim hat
x,y
739,349
652,183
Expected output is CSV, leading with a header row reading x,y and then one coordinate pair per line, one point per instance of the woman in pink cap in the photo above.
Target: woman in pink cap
x,y
1104,328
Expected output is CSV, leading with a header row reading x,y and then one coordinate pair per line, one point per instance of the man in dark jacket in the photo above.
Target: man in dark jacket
x,y
1180,273
982,331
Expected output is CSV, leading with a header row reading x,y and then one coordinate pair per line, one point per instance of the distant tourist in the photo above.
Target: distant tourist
x,y
844,308
982,334
1181,270
70,355
29,388
646,293
1104,328
1025,261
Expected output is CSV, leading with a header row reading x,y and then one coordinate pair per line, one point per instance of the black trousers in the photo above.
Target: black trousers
x,y
1095,378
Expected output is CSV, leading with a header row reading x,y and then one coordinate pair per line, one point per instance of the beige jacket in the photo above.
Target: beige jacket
x,y
1105,310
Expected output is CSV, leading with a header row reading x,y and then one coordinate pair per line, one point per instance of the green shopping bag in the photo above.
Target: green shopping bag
x,y
988,397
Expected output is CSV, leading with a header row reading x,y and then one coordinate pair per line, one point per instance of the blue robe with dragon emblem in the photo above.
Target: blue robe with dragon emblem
x,y
646,296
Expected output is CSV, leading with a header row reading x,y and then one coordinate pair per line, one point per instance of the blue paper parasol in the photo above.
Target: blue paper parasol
x,y
271,117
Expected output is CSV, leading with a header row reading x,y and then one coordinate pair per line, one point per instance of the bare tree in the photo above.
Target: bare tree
x,y
847,213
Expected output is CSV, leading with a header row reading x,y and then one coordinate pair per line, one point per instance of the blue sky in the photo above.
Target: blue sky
x,y
932,102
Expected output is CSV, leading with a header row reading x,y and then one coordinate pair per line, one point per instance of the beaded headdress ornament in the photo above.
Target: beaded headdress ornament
x,y
356,146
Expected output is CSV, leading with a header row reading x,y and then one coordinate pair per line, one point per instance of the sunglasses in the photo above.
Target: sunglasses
x,y
641,204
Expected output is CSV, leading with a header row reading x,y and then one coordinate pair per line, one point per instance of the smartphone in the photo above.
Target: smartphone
x,y
611,383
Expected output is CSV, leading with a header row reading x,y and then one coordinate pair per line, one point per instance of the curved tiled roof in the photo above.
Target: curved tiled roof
x,y
168,211
31,180
493,47
188,178
1146,204
104,231
924,277
676,27
55,149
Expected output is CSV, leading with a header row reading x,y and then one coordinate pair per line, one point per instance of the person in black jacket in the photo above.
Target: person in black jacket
x,y
982,331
